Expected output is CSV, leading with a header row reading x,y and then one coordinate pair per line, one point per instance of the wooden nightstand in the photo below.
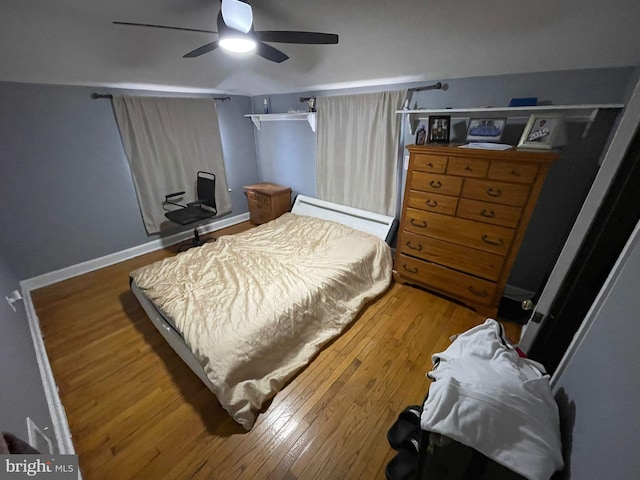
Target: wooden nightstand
x,y
267,201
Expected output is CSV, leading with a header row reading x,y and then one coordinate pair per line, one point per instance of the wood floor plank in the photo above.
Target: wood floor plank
x,y
136,411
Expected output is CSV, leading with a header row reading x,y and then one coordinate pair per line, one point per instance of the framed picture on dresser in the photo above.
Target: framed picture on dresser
x,y
439,128
485,129
540,132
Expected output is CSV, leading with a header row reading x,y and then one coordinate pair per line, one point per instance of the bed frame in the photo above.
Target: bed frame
x,y
381,226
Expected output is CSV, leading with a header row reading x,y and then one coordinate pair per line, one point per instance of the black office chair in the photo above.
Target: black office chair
x,y
195,212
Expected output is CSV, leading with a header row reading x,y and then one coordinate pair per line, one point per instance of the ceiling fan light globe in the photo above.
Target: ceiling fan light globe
x,y
237,44
237,15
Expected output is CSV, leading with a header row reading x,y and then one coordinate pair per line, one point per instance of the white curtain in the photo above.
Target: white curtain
x,y
167,140
356,163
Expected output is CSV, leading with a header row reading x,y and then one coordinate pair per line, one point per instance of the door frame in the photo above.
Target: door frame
x,y
616,151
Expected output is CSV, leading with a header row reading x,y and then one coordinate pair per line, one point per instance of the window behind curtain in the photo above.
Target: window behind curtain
x,y
358,150
167,140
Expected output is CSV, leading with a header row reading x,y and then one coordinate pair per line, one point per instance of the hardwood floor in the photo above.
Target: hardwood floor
x,y
137,412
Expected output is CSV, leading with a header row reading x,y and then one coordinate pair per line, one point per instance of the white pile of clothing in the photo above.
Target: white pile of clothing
x,y
488,397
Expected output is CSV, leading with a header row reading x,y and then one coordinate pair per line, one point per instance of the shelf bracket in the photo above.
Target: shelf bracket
x,y
256,121
414,120
311,119
592,117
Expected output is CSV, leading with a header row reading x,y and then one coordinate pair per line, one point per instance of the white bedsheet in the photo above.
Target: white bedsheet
x,y
257,306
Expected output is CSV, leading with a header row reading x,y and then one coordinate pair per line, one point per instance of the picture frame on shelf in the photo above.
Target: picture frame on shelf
x,y
439,129
540,131
421,135
485,129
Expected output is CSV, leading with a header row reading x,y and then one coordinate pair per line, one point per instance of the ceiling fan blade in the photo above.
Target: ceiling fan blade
x,y
287,36
270,53
166,27
202,50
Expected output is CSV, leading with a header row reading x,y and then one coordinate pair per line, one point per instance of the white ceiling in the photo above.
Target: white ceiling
x,y
73,42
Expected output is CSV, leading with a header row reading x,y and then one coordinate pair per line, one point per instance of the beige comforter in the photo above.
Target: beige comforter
x,y
257,306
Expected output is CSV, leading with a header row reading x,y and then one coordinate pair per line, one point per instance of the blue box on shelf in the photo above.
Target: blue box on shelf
x,y
524,102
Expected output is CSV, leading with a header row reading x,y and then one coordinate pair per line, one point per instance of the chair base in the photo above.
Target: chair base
x,y
196,241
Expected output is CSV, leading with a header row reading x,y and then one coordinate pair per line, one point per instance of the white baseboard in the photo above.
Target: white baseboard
x,y
56,409
117,257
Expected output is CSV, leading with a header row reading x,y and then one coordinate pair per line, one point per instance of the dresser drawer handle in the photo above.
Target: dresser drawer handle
x,y
429,164
490,241
488,213
468,169
431,203
418,248
494,193
435,184
422,223
410,270
514,173
479,293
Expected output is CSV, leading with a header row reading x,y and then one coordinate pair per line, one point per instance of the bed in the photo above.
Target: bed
x,y
249,311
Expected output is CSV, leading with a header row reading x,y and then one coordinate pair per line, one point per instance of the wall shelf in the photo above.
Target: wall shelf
x,y
309,117
587,112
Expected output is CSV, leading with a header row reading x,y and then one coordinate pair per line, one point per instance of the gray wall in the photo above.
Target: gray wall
x,y
286,150
568,181
67,192
599,387
67,187
21,392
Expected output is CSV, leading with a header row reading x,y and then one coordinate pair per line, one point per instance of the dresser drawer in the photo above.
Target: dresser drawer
x,y
492,213
496,192
447,281
423,162
468,167
513,172
432,182
489,238
432,202
476,262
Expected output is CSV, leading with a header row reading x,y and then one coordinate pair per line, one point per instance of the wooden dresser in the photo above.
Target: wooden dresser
x,y
267,201
464,216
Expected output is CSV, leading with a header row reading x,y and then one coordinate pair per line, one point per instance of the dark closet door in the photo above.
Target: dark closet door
x,y
606,238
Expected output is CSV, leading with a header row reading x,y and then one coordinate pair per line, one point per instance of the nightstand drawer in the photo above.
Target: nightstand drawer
x,y
267,201
259,201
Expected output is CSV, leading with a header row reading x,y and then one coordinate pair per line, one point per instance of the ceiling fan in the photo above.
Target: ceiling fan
x,y
236,34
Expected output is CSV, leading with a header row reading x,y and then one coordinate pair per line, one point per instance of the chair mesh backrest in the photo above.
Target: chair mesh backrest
x,y
206,186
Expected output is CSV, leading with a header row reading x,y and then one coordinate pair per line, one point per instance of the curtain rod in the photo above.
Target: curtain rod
x,y
435,86
108,95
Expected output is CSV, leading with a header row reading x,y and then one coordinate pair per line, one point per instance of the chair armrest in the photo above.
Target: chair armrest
x,y
172,195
